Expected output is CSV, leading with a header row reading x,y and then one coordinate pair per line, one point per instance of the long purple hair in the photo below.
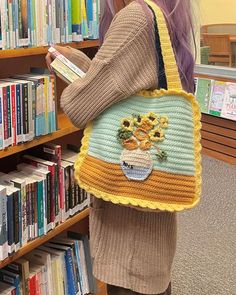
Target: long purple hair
x,y
178,14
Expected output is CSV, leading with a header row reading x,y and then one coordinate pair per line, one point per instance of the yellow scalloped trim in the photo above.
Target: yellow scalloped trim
x,y
141,203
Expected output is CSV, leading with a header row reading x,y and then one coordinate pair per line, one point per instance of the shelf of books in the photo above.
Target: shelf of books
x,y
42,240
30,51
217,99
65,127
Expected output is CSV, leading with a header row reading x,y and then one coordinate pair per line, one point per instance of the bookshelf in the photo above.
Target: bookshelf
x,y
19,61
40,241
65,127
218,134
21,52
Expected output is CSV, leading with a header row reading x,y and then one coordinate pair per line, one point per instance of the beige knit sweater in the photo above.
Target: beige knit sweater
x,y
130,248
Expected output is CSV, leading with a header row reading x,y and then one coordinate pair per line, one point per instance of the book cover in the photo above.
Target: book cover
x,y
3,224
203,94
68,202
57,55
229,103
217,98
63,72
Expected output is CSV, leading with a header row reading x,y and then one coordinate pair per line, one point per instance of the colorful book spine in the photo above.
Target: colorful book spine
x,y
3,224
1,119
76,21
85,32
92,15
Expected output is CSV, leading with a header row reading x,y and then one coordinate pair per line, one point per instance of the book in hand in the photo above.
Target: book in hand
x,y
64,68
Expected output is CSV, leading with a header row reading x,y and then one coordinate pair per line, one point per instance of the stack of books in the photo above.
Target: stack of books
x,y
27,108
39,23
217,98
62,266
39,195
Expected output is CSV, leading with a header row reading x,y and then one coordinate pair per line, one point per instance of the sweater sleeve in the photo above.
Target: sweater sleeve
x,y
80,59
124,65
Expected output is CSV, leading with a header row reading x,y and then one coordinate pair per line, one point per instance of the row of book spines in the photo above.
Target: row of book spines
x,y
39,208
25,221
22,114
63,22
62,266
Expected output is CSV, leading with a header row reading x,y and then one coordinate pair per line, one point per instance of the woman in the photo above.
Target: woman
x,y
132,249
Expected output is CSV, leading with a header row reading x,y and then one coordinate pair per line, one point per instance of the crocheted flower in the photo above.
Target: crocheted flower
x,y
164,121
130,144
127,124
137,120
157,135
153,118
146,124
141,134
145,145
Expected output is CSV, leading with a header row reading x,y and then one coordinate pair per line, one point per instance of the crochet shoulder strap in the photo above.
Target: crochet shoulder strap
x,y
168,74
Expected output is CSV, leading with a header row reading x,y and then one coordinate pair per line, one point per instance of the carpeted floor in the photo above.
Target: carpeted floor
x,y
205,263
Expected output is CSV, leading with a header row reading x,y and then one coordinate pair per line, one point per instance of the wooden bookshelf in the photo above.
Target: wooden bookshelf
x,y
39,241
219,134
21,52
65,127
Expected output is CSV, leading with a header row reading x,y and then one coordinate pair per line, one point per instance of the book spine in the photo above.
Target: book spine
x,y
16,219
32,284
24,216
62,22
49,22
48,197
76,21
3,228
84,20
35,210
40,206
69,20
70,273
29,7
16,22
25,112
31,109
58,22
23,14
1,120
28,211
19,135
13,113
10,23
67,191
9,112
10,224
7,141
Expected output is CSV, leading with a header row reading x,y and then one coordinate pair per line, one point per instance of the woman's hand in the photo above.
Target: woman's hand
x,y
66,51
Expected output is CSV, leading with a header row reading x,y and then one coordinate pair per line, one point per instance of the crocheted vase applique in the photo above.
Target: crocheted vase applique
x,y
138,135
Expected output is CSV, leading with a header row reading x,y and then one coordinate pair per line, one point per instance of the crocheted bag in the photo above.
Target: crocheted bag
x,y
145,150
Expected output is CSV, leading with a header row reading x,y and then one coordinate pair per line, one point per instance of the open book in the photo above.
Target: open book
x,y
64,68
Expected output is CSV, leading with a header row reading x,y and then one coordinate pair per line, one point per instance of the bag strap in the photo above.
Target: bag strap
x,y
168,74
